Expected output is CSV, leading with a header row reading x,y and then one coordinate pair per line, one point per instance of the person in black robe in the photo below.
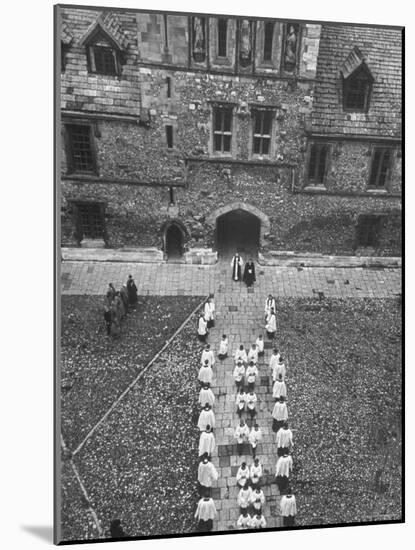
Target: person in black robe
x,y
132,291
249,273
116,529
108,319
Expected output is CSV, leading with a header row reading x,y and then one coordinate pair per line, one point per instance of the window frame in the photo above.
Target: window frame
x,y
77,205
381,149
255,111
377,230
218,55
223,107
267,24
69,148
91,52
313,183
367,92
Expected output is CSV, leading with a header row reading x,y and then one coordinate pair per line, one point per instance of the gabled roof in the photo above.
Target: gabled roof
x,y
66,35
110,27
354,61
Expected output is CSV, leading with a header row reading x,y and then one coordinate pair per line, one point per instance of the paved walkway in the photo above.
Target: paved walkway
x,y
240,316
179,279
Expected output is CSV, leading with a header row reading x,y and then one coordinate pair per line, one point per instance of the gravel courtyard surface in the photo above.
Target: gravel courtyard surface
x,y
344,384
95,368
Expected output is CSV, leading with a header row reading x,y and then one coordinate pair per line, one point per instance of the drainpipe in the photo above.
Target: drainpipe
x,y
292,179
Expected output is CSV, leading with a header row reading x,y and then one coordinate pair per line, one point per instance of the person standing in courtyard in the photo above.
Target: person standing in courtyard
x,y
241,435
132,291
244,521
255,473
108,319
251,375
251,401
210,312
255,437
206,475
202,329
205,374
279,414
206,396
283,470
240,401
239,374
206,418
288,509
240,355
207,354
206,442
279,388
236,265
269,304
223,347
284,440
258,500
110,295
271,325
278,370
242,475
260,345
253,354
249,273
244,497
205,514
258,522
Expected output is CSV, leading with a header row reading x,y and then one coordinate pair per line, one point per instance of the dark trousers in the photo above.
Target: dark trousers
x,y
277,424
202,337
252,412
239,383
282,450
282,482
253,451
251,386
210,323
240,448
203,490
271,335
239,412
205,525
222,356
108,325
288,521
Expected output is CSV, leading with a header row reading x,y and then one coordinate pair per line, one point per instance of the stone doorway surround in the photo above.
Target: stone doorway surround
x,y
264,225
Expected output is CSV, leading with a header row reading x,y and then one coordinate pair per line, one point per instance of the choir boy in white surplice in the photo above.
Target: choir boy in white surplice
x,y
205,513
206,395
279,369
244,497
279,414
202,329
259,342
210,312
205,374
206,442
251,375
283,469
279,389
288,510
240,355
273,360
253,354
240,402
243,521
255,437
258,499
242,475
271,325
207,355
206,475
223,347
255,473
269,304
241,435
251,401
258,522
206,418
236,265
239,374
284,440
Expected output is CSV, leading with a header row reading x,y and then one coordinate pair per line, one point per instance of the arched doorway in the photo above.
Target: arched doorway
x,y
238,230
174,239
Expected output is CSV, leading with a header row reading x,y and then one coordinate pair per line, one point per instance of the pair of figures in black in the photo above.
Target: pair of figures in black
x,y
248,273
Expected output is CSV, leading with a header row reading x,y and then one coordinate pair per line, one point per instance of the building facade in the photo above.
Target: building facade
x,y
196,135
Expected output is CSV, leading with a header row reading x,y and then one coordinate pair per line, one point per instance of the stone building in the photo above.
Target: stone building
x,y
188,137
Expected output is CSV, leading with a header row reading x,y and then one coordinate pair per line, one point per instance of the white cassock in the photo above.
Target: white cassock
x,y
205,509
251,401
255,473
269,304
236,274
288,505
251,374
284,466
206,443
258,499
206,418
240,355
242,475
205,375
241,434
278,369
271,325
244,497
238,373
207,474
284,437
223,347
243,521
280,411
279,389
253,355
240,401
209,356
206,396
255,437
202,326
209,311
258,523
273,360
259,342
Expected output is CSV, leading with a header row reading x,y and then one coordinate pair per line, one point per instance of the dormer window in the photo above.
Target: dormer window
x,y
357,83
102,59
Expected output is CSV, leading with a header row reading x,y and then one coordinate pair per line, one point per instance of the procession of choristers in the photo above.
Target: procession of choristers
x,y
250,497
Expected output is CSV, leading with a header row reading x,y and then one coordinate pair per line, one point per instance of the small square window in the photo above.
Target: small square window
x,y
80,151
103,60
222,129
368,231
380,168
89,220
262,126
317,166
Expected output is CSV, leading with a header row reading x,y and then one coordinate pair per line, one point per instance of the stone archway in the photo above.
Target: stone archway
x,y
174,233
239,226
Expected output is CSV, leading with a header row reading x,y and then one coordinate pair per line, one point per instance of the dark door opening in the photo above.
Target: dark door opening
x,y
174,242
238,230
